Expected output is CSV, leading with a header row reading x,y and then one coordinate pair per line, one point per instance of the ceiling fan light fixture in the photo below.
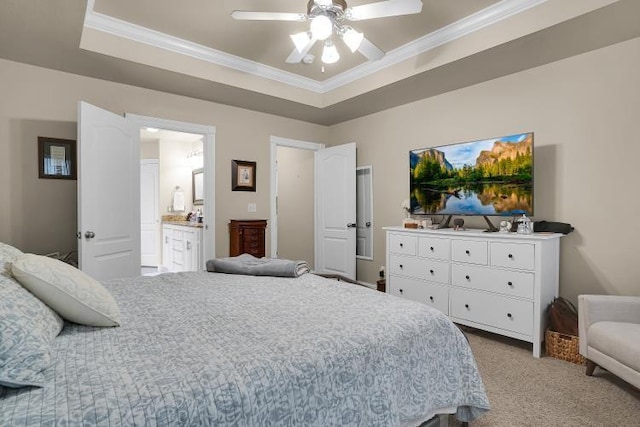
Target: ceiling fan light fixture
x,y
330,54
321,27
300,40
352,39
324,3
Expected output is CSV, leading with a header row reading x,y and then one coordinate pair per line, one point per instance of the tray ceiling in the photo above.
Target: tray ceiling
x,y
194,48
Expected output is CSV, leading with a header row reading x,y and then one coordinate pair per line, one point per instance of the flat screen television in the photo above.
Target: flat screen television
x,y
487,177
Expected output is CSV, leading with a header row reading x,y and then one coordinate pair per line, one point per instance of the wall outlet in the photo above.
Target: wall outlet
x,y
251,207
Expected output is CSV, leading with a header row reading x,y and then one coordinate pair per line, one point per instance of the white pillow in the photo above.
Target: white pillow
x,y
8,254
70,292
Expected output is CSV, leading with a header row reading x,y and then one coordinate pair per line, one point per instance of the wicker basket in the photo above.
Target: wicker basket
x,y
563,347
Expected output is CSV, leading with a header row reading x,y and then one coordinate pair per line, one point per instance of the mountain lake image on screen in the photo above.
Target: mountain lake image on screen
x,y
487,177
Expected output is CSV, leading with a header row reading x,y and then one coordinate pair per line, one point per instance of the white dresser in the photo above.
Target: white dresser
x,y
501,283
181,247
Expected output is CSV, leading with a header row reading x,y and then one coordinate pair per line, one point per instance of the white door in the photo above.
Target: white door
x,y
108,194
335,183
149,213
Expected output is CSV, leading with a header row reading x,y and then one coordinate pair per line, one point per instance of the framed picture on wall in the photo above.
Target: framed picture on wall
x,y
198,186
243,175
56,158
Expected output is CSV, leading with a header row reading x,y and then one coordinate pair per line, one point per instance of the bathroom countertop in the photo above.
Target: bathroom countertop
x,y
185,223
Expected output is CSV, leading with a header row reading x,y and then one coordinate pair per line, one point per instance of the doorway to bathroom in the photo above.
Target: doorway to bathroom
x,y
109,221
169,161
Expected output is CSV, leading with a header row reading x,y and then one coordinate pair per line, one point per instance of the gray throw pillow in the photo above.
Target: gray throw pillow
x,y
27,330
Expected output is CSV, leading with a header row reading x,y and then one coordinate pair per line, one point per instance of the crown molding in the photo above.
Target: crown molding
x,y
127,30
465,26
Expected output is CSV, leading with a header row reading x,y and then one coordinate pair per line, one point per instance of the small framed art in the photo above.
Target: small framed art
x,y
243,175
56,158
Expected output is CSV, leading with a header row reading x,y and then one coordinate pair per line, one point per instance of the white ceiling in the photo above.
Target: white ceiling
x,y
194,48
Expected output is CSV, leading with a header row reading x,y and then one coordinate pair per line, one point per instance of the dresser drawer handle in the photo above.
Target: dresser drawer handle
x,y
431,248
431,298
401,245
401,266
509,316
466,306
431,271
400,290
510,256
510,283
467,277
467,252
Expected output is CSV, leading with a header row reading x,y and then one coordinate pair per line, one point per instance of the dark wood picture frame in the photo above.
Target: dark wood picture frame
x,y
56,158
243,175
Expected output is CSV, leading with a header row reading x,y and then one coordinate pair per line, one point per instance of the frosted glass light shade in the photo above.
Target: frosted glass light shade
x,y
321,27
330,54
325,3
352,39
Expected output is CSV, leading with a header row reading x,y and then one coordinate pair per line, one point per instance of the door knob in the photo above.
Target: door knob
x,y
368,224
89,234
351,225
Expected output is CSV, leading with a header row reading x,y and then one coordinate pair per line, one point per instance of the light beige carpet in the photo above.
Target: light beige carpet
x,y
524,391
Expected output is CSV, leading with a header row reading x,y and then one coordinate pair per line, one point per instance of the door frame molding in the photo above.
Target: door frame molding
x,y
276,142
209,153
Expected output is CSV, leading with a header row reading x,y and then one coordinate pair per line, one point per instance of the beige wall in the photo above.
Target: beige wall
x,y
584,112
295,204
40,215
150,149
175,171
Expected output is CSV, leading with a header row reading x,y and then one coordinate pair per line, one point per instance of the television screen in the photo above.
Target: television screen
x,y
488,177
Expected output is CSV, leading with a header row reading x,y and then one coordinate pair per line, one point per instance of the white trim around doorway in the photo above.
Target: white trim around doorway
x,y
209,153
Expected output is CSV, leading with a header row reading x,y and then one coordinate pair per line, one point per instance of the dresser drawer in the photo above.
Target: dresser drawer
x,y
402,244
422,268
427,293
492,310
433,247
512,283
472,251
176,234
513,255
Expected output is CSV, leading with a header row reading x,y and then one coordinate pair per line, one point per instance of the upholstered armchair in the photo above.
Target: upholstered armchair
x,y
609,328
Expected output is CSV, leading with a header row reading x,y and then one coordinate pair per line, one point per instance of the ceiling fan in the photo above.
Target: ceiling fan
x,y
329,17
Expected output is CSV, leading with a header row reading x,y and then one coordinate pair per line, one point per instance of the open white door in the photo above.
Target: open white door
x,y
108,194
149,213
335,184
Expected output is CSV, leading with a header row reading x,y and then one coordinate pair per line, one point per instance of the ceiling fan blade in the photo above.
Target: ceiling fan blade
x,y
370,50
383,9
296,56
248,15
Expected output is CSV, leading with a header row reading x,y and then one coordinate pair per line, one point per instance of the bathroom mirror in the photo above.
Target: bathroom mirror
x,y
364,213
198,186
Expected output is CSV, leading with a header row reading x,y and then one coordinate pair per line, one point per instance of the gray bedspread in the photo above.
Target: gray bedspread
x,y
226,350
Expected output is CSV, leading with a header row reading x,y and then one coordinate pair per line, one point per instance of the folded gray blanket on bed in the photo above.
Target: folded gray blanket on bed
x,y
251,266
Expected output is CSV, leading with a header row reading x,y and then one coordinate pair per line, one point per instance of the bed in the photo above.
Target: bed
x,y
218,349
